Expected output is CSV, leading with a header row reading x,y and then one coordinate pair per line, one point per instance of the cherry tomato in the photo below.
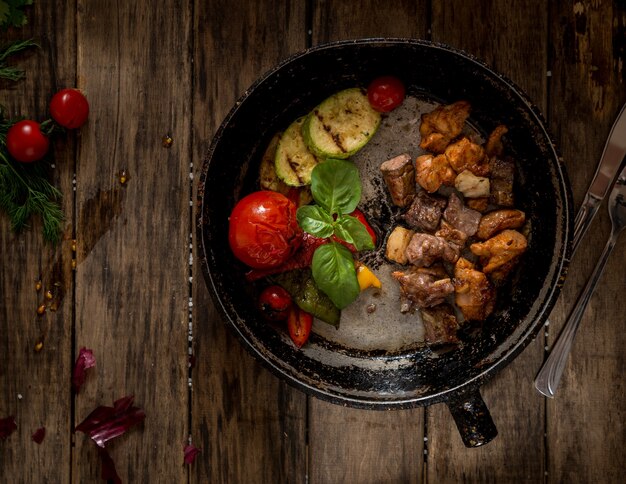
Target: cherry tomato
x,y
385,93
263,231
361,218
299,324
275,303
26,142
69,108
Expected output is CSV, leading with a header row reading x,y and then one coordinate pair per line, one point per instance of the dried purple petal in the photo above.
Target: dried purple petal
x,y
108,473
39,435
106,423
7,426
191,451
84,361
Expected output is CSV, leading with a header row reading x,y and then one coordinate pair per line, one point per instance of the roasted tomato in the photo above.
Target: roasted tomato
x,y
69,108
385,93
275,303
26,142
263,231
299,324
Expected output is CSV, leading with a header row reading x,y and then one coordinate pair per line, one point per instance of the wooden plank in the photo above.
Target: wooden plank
x,y
35,386
514,43
586,425
132,293
250,426
350,445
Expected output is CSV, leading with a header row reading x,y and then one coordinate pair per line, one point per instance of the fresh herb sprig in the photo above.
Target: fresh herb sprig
x,y
336,189
12,48
25,191
12,13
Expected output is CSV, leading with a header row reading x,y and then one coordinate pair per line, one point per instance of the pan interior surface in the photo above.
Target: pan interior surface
x,y
377,359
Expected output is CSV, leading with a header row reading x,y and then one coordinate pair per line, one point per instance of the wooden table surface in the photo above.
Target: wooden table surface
x,y
137,297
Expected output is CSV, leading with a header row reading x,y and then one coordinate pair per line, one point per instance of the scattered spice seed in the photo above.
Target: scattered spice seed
x,y
54,305
167,141
39,435
73,264
41,309
38,346
123,176
49,295
38,285
73,245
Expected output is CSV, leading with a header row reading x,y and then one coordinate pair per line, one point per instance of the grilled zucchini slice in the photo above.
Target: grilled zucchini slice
x,y
341,125
294,162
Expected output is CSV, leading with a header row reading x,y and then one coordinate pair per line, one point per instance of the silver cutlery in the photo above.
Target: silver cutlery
x,y
550,373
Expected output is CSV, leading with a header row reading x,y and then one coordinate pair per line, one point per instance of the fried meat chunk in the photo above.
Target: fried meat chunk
x,y
423,287
440,325
425,211
467,155
426,249
442,125
474,293
399,176
500,249
493,146
451,235
433,171
460,217
499,220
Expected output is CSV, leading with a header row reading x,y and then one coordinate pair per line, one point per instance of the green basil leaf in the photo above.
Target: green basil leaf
x,y
334,273
336,186
314,220
352,230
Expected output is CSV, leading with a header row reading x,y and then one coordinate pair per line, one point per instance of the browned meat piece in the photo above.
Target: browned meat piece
x,y
500,275
466,155
399,176
442,125
460,217
494,146
423,287
478,204
425,211
502,176
433,171
500,249
474,294
426,249
440,325
453,236
499,220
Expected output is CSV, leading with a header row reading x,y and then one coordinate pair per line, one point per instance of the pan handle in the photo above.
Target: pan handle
x,y
472,418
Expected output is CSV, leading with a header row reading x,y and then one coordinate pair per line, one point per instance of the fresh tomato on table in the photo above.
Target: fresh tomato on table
x,y
263,231
26,142
69,108
385,93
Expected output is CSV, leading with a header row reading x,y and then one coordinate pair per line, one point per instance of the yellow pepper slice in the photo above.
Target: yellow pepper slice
x,y
366,277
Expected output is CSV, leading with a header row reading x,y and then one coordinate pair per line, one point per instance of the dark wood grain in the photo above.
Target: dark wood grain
x,y
513,42
134,64
250,425
588,415
35,386
349,445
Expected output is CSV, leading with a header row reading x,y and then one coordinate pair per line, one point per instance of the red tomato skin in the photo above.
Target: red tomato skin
x,y
263,229
386,93
69,108
299,324
275,303
26,142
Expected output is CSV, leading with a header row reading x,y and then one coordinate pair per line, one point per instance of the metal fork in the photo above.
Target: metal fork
x,y
550,374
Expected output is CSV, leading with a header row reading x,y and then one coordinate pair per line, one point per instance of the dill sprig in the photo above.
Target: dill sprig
x,y
12,48
25,191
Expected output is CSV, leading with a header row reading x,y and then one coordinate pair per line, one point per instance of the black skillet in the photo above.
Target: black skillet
x,y
381,369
